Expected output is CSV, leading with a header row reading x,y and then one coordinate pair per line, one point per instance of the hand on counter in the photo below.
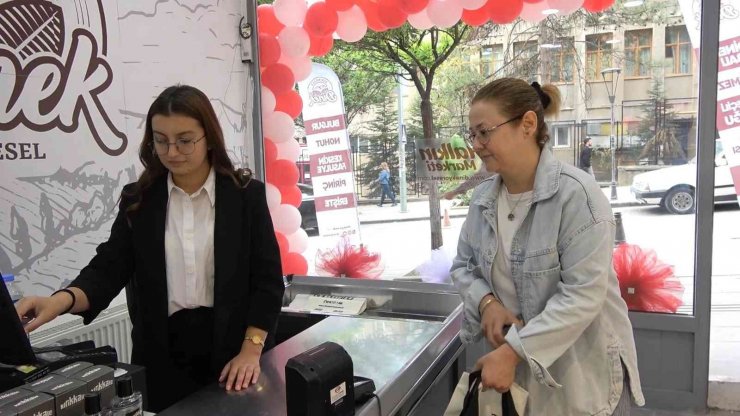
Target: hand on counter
x,y
244,369
498,368
493,320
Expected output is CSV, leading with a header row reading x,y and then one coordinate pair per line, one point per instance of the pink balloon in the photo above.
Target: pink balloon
x,y
273,196
286,219
444,13
298,241
290,12
301,66
565,7
532,12
352,24
278,126
294,41
472,4
421,20
268,100
289,150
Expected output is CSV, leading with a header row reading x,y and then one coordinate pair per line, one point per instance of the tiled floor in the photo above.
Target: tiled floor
x,y
649,412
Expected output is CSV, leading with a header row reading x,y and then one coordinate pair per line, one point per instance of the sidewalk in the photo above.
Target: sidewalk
x,y
418,210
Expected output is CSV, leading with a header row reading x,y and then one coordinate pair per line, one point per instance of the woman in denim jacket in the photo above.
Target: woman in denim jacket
x,y
535,257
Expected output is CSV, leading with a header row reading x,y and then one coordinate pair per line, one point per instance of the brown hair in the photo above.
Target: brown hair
x,y
514,97
190,102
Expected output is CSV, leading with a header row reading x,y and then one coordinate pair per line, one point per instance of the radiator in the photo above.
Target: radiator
x,y
112,327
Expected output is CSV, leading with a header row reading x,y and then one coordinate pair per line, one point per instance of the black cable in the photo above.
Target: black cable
x,y
380,411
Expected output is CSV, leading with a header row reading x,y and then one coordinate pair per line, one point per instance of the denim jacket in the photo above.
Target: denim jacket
x,y
576,332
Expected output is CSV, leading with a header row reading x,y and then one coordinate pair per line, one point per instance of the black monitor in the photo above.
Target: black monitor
x,y
15,348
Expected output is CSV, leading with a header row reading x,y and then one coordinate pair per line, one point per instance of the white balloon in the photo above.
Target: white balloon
x,y
294,41
300,66
268,100
421,20
532,12
273,196
288,150
565,7
298,241
286,219
352,24
278,126
290,12
444,13
473,4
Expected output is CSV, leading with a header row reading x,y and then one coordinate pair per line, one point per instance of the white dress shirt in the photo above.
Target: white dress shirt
x,y
188,244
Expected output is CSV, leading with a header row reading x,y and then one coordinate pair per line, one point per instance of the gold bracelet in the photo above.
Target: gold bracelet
x,y
488,302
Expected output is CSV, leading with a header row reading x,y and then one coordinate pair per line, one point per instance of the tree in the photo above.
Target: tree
x,y
457,84
382,145
418,56
657,128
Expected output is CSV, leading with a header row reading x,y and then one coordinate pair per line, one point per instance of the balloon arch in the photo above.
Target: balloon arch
x,y
291,32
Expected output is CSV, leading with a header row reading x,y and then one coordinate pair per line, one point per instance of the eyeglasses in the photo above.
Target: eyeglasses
x,y
184,146
483,135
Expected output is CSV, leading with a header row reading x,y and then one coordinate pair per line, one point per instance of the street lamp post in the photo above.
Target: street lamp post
x,y
611,90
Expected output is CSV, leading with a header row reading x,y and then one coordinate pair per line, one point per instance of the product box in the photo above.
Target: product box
x,y
73,368
39,384
36,404
99,379
13,395
69,394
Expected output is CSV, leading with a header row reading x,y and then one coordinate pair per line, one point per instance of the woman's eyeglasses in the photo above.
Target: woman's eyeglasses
x,y
483,135
183,145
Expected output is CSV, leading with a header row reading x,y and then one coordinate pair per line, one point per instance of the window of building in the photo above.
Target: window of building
x,y
561,136
563,63
598,55
678,50
525,62
491,59
637,52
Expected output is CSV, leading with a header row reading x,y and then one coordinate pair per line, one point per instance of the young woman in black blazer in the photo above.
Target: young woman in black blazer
x,y
193,243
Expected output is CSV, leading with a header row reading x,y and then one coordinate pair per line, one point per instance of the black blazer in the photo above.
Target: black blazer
x,y
248,286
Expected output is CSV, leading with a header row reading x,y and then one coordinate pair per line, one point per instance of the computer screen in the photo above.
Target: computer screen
x,y
15,348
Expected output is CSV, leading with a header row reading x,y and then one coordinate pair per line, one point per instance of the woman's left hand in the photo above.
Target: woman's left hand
x,y
243,370
498,368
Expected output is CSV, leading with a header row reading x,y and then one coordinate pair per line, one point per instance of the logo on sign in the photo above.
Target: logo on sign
x,y
59,77
320,91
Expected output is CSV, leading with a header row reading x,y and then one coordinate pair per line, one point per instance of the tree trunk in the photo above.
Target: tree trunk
x,y
435,222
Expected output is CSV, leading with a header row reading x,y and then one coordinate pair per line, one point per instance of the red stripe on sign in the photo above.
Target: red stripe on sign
x,y
729,54
330,163
728,113
735,171
324,124
330,203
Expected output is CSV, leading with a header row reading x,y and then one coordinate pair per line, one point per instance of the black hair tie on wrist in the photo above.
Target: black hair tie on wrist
x,y
71,293
544,98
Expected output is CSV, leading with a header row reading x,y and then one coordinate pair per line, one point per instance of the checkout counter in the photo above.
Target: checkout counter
x,y
406,341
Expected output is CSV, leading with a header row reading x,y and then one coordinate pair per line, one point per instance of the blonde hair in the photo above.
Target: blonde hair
x,y
514,97
384,165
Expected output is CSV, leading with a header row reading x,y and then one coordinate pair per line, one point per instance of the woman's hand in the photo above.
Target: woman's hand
x,y
40,310
498,368
244,369
493,320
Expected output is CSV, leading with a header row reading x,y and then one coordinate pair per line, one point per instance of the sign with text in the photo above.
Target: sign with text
x,y
329,154
445,161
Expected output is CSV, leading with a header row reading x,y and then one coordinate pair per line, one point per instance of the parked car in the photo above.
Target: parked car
x,y
307,208
673,187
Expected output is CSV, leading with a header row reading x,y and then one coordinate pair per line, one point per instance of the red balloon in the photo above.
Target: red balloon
x,y
278,78
294,263
282,173
290,103
372,15
503,12
412,6
595,6
321,20
269,48
266,20
282,241
475,17
532,1
320,46
291,195
340,5
270,150
390,14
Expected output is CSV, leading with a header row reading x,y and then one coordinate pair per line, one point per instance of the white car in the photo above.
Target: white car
x,y
673,187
